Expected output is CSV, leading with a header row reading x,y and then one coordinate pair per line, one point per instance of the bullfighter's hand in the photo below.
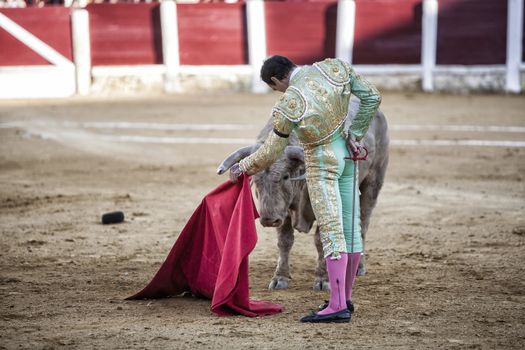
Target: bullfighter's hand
x,y
235,172
354,146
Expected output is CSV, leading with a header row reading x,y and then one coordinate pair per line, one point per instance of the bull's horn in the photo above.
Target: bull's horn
x,y
294,152
234,158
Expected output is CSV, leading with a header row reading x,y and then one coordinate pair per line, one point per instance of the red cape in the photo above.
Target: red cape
x,y
210,257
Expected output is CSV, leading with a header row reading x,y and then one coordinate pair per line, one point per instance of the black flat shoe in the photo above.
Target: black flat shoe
x,y
342,316
349,305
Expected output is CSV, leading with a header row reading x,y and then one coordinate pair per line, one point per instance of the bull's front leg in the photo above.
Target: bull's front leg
x,y
321,277
285,238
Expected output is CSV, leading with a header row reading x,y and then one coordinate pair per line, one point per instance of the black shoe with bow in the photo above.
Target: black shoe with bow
x,y
349,305
342,316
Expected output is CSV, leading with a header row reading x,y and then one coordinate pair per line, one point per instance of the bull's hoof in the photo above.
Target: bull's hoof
x,y
279,282
321,283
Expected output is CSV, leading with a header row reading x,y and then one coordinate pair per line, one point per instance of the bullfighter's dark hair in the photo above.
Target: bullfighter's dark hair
x,y
276,66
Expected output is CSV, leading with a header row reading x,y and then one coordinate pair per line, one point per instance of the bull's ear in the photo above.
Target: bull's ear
x,y
295,153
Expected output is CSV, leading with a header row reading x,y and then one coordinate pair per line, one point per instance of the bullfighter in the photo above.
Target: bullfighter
x,y
314,105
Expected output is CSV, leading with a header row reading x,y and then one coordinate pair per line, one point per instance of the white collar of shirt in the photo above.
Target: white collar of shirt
x,y
294,72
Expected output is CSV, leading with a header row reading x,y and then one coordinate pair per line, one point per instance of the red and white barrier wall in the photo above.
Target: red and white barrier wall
x,y
36,53
57,51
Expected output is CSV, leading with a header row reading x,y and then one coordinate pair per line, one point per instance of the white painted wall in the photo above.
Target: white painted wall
x,y
429,43
344,42
256,42
36,82
514,45
170,45
81,50
55,80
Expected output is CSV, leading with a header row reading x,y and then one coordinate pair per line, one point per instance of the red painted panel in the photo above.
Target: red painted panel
x,y
387,32
472,32
125,34
50,24
302,31
212,33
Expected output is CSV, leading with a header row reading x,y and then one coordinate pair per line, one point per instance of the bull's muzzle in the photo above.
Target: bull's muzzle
x,y
270,222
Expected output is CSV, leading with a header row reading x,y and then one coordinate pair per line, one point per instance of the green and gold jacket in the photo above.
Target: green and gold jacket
x,y
315,106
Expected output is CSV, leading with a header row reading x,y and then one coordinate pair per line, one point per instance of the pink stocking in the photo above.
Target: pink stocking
x,y
351,273
337,275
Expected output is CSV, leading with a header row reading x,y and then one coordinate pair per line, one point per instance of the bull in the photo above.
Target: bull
x,y
283,195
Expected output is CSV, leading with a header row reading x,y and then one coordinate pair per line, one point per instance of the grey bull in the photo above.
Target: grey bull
x,y
283,195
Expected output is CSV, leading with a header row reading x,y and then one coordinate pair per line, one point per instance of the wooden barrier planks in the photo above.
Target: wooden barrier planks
x,y
388,32
212,34
50,24
125,34
472,32
302,31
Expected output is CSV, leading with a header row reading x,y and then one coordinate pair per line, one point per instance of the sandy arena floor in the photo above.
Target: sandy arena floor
x,y
446,246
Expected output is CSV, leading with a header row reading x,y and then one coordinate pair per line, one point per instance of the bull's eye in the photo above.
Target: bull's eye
x,y
286,177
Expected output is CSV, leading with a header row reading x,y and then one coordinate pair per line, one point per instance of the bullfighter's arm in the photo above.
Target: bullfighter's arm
x,y
370,99
272,147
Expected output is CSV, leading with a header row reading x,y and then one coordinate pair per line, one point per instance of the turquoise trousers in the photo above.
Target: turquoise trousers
x,y
330,180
